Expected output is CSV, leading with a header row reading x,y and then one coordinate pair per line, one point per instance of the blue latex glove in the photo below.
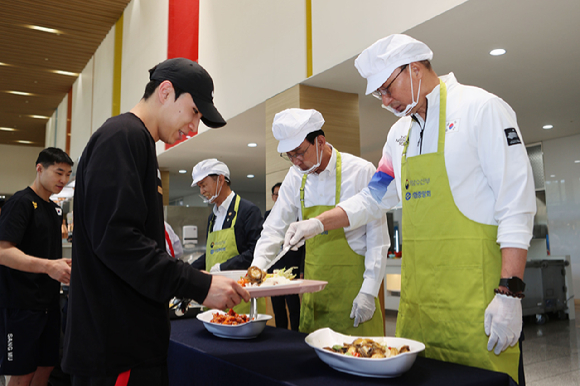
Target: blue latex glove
x,y
363,308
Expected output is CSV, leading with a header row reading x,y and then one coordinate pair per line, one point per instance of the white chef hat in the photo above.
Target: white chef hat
x,y
377,62
207,167
291,127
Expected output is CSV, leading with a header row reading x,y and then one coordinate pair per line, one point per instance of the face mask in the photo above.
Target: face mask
x,y
314,167
409,106
212,198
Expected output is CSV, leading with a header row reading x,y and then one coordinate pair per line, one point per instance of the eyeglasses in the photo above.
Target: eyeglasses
x,y
300,156
378,93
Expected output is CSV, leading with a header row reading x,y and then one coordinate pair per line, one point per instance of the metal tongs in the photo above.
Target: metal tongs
x,y
254,301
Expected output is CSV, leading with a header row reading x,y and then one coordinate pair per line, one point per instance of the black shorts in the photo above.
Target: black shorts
x,y
29,339
140,376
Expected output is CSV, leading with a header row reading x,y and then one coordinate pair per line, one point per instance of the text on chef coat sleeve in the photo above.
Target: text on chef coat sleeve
x,y
505,163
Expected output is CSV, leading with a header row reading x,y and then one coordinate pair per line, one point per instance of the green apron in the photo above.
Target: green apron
x,y
330,258
221,246
450,266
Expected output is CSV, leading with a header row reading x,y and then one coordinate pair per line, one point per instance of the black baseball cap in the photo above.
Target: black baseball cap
x,y
194,79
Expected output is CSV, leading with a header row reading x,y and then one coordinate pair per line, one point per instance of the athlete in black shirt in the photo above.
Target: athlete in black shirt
x,y
122,277
31,267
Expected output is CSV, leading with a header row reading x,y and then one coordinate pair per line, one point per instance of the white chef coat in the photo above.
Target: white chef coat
x,y
371,241
488,167
221,211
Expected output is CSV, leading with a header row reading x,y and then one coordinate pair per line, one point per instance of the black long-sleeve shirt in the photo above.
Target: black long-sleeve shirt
x,y
122,278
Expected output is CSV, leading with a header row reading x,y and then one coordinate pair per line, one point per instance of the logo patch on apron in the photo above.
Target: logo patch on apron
x,y
512,136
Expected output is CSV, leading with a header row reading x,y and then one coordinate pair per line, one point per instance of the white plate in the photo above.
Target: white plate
x,y
236,275
241,331
366,367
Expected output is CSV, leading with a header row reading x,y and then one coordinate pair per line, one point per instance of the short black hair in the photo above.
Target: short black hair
x,y
215,176
277,185
53,155
312,136
152,86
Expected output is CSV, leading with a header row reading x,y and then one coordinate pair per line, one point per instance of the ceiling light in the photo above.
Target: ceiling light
x,y
39,117
7,129
252,144
547,127
4,64
44,29
577,161
250,176
65,73
552,175
497,52
19,93
24,141
182,171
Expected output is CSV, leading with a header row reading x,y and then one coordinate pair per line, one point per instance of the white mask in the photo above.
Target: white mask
x,y
409,106
315,166
212,198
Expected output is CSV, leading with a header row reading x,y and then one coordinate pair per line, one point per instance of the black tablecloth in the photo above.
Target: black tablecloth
x,y
281,357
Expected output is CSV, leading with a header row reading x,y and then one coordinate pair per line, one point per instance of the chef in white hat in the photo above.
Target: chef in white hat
x,y
352,261
232,229
463,175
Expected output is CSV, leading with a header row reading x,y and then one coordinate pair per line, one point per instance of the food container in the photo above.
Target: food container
x,y
248,330
366,367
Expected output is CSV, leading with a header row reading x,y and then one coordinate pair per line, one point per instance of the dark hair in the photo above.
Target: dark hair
x,y
426,63
215,176
53,155
152,86
312,136
277,185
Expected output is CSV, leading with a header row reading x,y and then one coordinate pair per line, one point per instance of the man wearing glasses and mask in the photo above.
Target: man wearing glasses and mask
x,y
352,261
463,175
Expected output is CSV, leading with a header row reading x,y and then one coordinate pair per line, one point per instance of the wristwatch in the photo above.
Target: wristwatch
x,y
514,284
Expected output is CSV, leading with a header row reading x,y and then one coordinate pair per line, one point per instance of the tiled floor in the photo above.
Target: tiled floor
x,y
551,350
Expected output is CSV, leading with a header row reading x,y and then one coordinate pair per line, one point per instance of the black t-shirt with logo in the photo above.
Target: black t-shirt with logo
x,y
34,226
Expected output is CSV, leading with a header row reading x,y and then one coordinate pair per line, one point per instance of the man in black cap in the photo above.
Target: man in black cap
x,y
122,278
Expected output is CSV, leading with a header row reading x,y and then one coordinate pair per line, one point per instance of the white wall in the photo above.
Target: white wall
x,y
257,49
144,45
562,176
103,81
18,169
55,135
82,111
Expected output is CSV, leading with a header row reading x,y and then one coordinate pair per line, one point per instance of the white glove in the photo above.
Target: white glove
x,y
300,231
503,322
215,268
363,308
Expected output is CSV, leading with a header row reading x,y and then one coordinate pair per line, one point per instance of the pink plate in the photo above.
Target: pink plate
x,y
295,287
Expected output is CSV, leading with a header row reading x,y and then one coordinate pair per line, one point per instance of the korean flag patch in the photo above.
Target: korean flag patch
x,y
58,211
512,136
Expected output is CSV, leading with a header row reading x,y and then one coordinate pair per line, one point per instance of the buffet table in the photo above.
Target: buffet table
x,y
281,357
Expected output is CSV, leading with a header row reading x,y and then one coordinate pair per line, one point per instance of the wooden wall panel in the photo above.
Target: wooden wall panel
x,y
340,112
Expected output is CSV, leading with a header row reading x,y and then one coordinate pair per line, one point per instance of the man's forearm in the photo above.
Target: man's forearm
x,y
334,219
513,262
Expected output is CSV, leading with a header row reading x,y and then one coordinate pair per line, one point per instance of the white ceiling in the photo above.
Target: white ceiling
x,y
538,77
